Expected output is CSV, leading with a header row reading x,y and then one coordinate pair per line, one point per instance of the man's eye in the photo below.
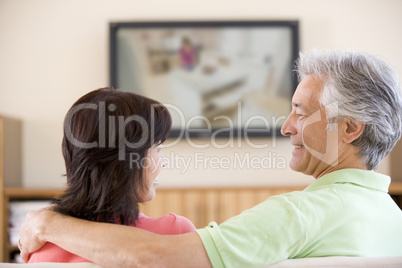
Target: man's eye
x,y
300,116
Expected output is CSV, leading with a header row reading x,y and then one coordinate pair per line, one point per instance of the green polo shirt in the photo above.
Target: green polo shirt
x,y
345,213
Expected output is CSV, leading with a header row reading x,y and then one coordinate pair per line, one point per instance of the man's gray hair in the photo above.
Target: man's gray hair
x,y
366,89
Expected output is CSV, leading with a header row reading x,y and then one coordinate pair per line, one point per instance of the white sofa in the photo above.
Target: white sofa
x,y
327,262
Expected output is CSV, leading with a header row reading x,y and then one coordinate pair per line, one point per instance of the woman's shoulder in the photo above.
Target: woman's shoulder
x,y
53,253
167,224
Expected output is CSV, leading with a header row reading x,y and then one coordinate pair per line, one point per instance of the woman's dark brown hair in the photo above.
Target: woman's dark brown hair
x,y
104,131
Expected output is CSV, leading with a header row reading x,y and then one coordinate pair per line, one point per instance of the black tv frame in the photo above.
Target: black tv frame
x,y
237,132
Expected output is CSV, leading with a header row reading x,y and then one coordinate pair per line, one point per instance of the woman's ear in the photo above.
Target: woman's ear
x,y
353,129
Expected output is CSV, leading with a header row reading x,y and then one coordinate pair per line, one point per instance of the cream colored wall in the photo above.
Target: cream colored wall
x,y
52,52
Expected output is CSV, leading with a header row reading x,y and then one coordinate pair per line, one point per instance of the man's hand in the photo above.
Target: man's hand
x,y
31,231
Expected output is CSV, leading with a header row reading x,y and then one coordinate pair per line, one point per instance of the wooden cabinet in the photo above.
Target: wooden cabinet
x,y
10,152
202,206
10,165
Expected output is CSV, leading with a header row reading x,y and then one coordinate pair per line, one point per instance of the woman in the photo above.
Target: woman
x,y
188,54
112,152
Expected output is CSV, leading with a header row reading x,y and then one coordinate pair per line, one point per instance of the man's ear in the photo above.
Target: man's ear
x,y
353,129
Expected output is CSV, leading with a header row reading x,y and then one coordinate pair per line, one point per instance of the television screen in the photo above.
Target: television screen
x,y
222,78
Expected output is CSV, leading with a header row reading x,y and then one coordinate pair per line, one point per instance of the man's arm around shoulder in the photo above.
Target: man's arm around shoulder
x,y
111,245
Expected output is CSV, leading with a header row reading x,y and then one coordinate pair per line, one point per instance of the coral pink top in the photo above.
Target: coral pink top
x,y
168,225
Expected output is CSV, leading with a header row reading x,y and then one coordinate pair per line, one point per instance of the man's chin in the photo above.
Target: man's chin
x,y
297,166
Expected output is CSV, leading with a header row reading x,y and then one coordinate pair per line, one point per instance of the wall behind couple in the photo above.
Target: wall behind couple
x,y
52,52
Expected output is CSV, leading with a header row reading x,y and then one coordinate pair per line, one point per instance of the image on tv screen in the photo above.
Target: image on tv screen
x,y
212,77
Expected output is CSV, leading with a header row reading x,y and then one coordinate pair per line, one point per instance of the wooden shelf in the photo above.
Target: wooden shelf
x,y
395,188
10,194
26,193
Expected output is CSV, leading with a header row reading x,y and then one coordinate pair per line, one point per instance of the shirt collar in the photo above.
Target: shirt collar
x,y
364,178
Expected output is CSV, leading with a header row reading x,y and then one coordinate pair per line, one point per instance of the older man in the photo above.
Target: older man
x,y
346,117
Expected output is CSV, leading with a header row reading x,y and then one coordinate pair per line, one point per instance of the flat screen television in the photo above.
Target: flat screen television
x,y
217,78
